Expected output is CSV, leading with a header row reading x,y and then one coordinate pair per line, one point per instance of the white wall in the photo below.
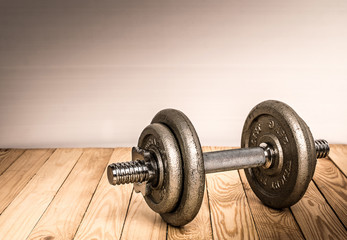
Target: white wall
x,y
94,73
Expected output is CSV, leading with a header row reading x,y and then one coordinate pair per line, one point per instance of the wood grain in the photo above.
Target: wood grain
x,y
106,213
14,179
315,217
230,213
333,184
141,222
338,154
7,157
231,217
63,216
199,228
68,197
25,210
270,223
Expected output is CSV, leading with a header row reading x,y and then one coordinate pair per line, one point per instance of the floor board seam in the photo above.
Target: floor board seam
x,y
102,174
326,200
13,162
55,194
249,207
302,233
209,208
332,160
126,215
28,181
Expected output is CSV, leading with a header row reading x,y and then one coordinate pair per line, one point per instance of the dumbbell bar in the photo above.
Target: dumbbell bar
x,y
236,159
217,161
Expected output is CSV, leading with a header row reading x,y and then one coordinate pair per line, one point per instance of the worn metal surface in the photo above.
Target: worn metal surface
x,y
193,166
226,160
322,148
127,172
294,161
241,158
163,194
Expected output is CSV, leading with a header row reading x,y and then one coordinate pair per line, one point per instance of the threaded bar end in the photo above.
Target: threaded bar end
x,y
127,172
322,148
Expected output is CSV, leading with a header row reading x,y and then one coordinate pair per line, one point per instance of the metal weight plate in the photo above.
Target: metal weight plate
x,y
193,166
286,181
158,139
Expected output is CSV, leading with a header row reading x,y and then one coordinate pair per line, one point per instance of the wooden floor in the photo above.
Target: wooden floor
x,y
64,194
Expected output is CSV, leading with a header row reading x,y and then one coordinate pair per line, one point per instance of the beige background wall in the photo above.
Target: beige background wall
x,y
94,73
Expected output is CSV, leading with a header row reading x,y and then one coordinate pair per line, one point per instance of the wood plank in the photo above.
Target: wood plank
x,y
20,217
14,179
106,213
7,157
270,223
316,218
199,228
338,153
333,185
63,216
141,222
230,213
231,216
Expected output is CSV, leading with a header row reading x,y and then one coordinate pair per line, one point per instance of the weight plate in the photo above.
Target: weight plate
x,y
158,139
292,168
193,166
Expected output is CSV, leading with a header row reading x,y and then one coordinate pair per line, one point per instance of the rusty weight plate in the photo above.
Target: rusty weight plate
x,y
193,166
160,142
286,181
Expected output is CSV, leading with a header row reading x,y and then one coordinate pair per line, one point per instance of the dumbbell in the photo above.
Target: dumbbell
x,y
168,167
